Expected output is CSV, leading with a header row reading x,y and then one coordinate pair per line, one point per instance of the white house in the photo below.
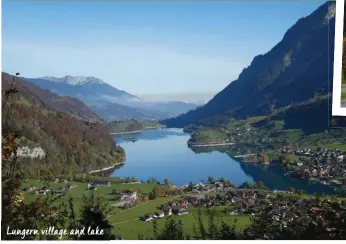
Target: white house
x,y
129,195
159,215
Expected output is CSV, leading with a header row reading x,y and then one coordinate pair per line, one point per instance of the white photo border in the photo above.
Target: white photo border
x,y
337,110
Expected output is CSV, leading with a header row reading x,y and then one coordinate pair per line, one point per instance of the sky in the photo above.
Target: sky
x,y
164,50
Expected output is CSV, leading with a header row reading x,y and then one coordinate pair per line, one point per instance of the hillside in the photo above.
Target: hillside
x,y
286,126
56,135
124,126
131,125
293,71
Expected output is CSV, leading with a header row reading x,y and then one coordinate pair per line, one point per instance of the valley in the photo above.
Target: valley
x,y
262,160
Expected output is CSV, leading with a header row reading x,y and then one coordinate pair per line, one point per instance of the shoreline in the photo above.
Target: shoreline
x,y
136,131
211,145
243,156
106,168
129,132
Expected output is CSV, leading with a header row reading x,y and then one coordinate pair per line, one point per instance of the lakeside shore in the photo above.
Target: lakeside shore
x,y
243,156
210,144
136,131
106,168
128,132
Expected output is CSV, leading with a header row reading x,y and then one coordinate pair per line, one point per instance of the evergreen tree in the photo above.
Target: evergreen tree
x,y
93,216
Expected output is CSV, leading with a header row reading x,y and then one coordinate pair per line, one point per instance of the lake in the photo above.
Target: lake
x,y
164,154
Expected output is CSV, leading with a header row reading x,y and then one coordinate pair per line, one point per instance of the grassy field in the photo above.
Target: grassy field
x,y
124,126
291,135
213,135
149,124
255,119
125,220
129,227
341,147
292,157
81,188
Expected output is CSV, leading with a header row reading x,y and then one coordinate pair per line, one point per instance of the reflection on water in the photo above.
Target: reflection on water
x,y
164,153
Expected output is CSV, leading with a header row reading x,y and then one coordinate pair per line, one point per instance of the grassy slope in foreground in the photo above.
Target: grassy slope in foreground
x,y
130,229
125,221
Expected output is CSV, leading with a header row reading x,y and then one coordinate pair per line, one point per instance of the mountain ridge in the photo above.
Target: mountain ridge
x,y
46,98
109,102
79,86
74,80
274,79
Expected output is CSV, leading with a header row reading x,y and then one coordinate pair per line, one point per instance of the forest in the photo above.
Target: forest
x,y
71,142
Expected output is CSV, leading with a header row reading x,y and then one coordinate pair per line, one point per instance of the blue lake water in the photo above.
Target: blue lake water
x,y
164,154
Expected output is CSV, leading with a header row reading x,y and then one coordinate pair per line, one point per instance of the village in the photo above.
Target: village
x,y
323,165
165,200
283,207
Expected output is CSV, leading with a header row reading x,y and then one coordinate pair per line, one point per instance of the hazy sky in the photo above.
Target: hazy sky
x,y
146,48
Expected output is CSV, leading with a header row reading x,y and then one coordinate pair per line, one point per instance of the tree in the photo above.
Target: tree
x,y
283,159
172,230
168,182
245,185
189,187
264,158
260,185
93,215
72,217
158,191
152,195
211,180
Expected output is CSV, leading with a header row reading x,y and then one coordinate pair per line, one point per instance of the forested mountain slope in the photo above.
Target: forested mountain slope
x,y
293,71
57,135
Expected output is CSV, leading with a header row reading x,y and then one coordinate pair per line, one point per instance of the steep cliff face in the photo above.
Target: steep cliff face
x,y
293,71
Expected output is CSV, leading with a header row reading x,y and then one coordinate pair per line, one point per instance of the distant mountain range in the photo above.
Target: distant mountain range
x,y
80,86
108,102
48,100
295,70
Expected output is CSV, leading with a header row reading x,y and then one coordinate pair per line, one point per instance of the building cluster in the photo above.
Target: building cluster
x,y
173,207
323,165
283,209
59,192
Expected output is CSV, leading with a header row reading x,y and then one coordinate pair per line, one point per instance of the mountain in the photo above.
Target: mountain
x,y
56,135
80,86
104,99
49,100
293,71
109,102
